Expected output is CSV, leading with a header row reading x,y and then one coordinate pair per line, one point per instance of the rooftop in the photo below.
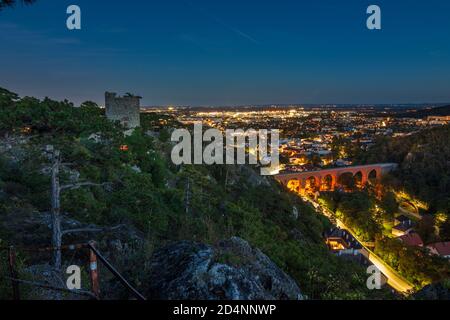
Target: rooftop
x,y
402,227
412,239
442,248
402,218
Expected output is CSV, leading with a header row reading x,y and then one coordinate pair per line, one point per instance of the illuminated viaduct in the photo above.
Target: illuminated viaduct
x,y
328,179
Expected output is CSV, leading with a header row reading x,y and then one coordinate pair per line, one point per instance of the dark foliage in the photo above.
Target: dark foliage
x,y
164,202
11,3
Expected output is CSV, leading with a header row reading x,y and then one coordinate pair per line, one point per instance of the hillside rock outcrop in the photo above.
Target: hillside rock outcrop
x,y
230,270
438,291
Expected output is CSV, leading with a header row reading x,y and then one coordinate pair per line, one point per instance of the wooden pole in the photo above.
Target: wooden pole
x,y
56,208
13,272
93,271
117,274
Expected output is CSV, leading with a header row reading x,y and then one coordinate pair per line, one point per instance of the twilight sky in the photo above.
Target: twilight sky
x,y
203,52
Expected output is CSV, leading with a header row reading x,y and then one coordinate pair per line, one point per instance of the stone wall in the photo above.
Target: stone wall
x,y
124,109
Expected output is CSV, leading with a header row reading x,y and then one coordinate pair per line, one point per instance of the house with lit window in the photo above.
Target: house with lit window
x,y
402,226
340,241
402,219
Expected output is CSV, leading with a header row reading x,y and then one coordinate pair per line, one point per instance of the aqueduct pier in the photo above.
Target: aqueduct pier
x,y
328,179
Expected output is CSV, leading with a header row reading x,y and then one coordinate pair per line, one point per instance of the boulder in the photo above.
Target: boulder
x,y
437,291
230,270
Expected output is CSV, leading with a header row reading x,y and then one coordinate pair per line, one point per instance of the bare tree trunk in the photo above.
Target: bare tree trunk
x,y
187,196
56,211
57,188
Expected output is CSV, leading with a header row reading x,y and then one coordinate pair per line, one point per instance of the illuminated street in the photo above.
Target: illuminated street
x,y
396,281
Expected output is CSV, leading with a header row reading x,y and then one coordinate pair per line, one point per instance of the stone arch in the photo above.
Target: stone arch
x,y
328,182
358,175
359,179
312,183
346,180
373,175
294,185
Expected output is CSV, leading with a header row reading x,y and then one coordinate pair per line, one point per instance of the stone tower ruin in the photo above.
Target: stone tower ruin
x,y
125,109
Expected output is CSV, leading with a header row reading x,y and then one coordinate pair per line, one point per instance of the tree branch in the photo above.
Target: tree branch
x,y
90,230
68,164
49,287
82,184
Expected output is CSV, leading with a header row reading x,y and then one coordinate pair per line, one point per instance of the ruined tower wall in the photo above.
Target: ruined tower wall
x,y
124,109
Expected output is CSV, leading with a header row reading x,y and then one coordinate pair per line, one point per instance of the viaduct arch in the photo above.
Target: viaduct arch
x,y
328,179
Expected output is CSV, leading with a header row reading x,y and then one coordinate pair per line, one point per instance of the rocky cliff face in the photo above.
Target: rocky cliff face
x,y
231,269
438,291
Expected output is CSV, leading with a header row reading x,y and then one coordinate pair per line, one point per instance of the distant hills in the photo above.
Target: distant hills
x,y
438,111
424,170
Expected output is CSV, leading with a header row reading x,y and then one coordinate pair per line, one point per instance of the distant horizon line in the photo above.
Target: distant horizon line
x,y
248,105
299,105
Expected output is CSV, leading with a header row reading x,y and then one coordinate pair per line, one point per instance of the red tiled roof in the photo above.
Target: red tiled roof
x,y
412,239
442,248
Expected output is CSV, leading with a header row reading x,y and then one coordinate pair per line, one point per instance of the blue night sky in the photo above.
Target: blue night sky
x,y
229,52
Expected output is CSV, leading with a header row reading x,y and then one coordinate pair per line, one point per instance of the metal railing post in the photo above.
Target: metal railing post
x,y
113,270
93,271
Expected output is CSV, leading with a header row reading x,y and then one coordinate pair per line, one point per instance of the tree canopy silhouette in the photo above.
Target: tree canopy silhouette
x,y
11,3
